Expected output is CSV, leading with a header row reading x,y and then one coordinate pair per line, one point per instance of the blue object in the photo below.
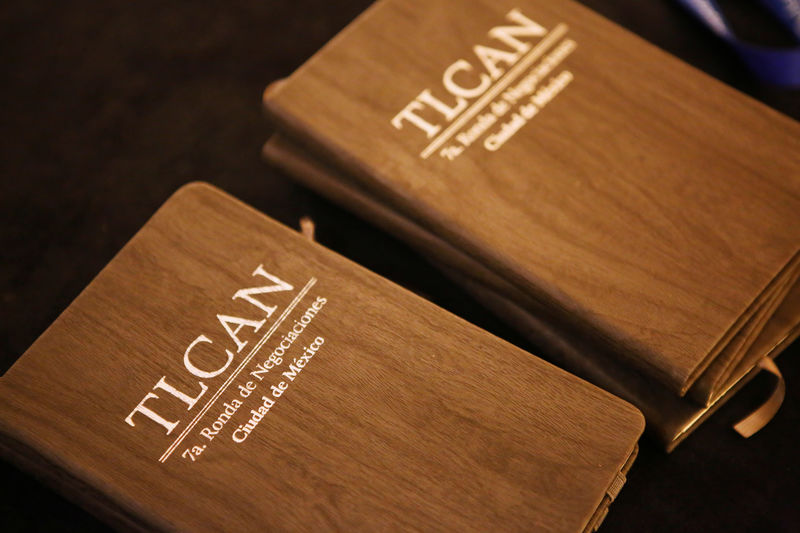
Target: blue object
x,y
773,65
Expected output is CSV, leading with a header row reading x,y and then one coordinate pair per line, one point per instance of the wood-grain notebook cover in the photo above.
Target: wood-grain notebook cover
x,y
224,373
599,183
670,419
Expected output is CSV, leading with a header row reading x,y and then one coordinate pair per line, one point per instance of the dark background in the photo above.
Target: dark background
x,y
108,107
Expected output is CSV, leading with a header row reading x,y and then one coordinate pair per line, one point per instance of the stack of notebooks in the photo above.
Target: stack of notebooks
x,y
635,218
223,373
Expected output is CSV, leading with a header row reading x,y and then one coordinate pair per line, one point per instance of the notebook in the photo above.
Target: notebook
x,y
570,168
225,373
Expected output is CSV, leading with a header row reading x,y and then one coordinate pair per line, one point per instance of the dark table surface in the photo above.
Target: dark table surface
x,y
108,107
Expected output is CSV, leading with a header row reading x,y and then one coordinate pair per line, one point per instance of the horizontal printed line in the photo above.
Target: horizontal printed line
x,y
238,370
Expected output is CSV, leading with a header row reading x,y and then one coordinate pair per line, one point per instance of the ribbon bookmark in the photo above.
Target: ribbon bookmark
x,y
307,228
759,418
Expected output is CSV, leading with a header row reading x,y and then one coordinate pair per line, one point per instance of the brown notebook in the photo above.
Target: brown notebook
x,y
224,373
601,185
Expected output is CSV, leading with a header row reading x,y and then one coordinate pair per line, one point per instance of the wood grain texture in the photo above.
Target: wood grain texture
x,y
670,419
647,204
406,418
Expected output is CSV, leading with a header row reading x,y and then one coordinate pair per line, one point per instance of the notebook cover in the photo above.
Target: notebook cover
x,y
224,373
634,197
669,419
